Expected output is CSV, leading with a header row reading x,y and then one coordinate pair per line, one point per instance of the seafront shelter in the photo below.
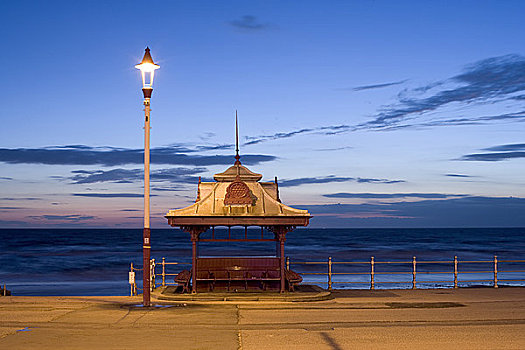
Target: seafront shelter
x,y
237,198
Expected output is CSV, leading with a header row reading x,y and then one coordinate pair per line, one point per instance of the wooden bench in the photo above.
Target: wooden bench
x,y
183,279
264,276
292,279
227,271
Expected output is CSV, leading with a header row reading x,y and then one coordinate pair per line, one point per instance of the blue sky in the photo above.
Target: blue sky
x,y
371,113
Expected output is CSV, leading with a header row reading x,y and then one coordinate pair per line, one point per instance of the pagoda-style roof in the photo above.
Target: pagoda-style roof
x,y
230,174
237,197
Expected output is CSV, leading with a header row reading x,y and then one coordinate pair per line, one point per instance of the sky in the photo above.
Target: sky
x,y
370,113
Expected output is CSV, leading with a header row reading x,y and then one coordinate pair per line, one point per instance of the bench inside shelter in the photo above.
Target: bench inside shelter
x,y
233,273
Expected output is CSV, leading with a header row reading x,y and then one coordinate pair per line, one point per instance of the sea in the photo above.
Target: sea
x,y
92,262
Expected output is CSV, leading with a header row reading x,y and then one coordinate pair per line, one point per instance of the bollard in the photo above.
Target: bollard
x,y
152,275
414,272
164,272
131,279
372,273
495,271
5,290
288,263
330,273
455,271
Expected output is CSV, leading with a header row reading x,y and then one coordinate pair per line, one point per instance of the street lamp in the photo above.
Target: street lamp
x,y
147,69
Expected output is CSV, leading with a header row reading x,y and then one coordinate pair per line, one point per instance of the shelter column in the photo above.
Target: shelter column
x,y
194,232
282,239
280,236
194,239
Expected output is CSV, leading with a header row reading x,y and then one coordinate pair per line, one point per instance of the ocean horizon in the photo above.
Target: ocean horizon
x,y
79,261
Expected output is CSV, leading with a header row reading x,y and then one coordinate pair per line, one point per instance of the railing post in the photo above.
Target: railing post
x,y
330,273
455,271
5,290
495,271
164,272
288,263
414,272
372,284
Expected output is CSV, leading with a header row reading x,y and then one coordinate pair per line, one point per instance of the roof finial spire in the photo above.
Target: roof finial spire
x,y
237,156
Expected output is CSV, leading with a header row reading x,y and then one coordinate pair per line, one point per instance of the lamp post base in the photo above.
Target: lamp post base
x,y
146,253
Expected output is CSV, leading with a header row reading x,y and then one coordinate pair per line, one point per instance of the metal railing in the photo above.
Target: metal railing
x,y
413,269
164,276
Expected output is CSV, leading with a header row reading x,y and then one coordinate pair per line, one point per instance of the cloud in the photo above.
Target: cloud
x,y
380,181
111,195
248,23
252,140
378,86
111,156
323,130
394,125
69,218
332,178
490,79
213,147
11,208
517,116
458,175
13,223
516,150
130,209
133,175
313,180
492,157
115,175
169,189
452,212
207,135
20,199
390,195
509,147
333,149
5,178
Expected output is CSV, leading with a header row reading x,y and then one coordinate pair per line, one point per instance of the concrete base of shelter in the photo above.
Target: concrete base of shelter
x,y
302,293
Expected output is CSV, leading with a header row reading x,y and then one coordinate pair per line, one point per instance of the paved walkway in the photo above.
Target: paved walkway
x,y
396,319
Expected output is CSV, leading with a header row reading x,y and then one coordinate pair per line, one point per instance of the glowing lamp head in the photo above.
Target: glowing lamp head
x,y
147,69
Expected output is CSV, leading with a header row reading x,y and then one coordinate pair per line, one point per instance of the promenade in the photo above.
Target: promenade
x,y
468,318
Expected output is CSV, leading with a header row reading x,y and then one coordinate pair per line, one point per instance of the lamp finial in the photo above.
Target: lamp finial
x,y
147,57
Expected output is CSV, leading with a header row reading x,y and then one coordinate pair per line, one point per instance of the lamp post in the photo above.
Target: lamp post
x,y
147,69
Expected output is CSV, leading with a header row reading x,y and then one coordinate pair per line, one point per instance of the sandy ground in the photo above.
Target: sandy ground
x,y
396,319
